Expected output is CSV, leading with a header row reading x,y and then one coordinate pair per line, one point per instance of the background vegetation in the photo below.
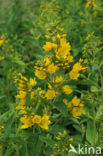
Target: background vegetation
x,y
23,26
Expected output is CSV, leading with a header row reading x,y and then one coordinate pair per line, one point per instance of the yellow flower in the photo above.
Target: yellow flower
x,y
21,95
71,139
20,107
67,89
69,104
20,86
32,82
47,37
54,46
2,58
64,35
75,101
23,101
88,4
69,58
78,107
77,66
74,73
32,95
48,46
49,86
94,5
1,42
2,127
40,74
57,37
37,119
58,79
101,26
27,121
50,94
64,49
76,113
65,133
58,138
22,77
45,122
52,68
47,61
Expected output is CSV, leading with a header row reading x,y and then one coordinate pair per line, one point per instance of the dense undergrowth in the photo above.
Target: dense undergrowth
x,y
51,77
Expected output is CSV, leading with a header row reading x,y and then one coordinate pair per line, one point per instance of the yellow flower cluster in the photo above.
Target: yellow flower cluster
x,y
66,89
22,84
5,43
59,59
2,127
28,119
2,58
40,74
49,46
64,140
92,3
45,67
1,42
75,106
75,72
50,94
51,67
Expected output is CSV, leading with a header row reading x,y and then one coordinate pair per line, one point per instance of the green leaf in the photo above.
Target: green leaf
x,y
78,128
34,145
99,112
20,62
91,132
72,154
62,108
8,127
8,152
49,141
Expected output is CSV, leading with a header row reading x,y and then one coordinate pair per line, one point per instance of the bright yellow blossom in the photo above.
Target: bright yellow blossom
x,y
44,122
27,122
52,68
58,79
88,4
48,46
47,61
50,94
69,104
37,119
32,95
32,82
40,74
1,42
23,101
57,37
67,89
64,49
74,73
75,101
21,95
2,58
47,37
76,113
54,46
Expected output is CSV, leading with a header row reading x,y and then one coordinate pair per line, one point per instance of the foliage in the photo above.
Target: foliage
x,y
51,76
